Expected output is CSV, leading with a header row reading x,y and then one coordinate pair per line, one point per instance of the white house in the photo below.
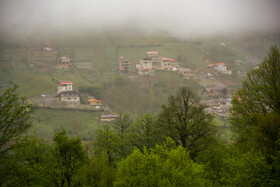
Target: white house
x,y
65,86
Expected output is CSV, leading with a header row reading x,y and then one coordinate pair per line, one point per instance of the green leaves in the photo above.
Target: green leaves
x,y
161,166
185,120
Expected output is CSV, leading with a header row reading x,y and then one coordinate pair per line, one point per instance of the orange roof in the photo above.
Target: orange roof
x,y
166,59
220,63
65,82
143,69
94,100
152,52
216,64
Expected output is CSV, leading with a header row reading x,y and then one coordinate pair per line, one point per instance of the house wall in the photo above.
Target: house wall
x,y
65,87
146,63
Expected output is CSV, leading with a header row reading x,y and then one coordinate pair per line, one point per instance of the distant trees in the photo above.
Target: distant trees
x,y
186,122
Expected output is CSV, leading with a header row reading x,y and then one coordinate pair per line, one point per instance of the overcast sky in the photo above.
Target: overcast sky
x,y
178,17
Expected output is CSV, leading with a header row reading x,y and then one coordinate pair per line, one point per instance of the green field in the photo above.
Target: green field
x,y
80,123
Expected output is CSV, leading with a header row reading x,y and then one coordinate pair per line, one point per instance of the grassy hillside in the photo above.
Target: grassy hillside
x,y
136,95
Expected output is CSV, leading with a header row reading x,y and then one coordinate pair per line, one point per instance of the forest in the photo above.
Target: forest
x,y
177,146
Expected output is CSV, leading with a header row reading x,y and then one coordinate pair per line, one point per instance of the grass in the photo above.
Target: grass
x,y
81,123
31,84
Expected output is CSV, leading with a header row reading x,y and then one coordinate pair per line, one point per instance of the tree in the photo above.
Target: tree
x,y
33,161
259,95
106,140
121,128
144,132
185,120
69,156
244,169
165,165
15,119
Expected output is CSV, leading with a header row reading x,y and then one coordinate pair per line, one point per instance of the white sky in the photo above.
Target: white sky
x,y
179,17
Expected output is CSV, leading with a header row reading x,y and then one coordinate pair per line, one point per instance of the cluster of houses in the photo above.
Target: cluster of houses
x,y
70,97
219,106
152,62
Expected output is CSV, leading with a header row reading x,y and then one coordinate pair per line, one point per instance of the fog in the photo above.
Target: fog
x,y
182,18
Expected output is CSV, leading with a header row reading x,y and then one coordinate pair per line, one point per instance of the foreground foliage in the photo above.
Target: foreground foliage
x,y
166,165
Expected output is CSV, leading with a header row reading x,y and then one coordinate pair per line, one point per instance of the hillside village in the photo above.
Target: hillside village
x,y
216,97
70,77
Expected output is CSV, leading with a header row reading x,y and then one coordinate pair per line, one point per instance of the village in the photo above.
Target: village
x,y
215,93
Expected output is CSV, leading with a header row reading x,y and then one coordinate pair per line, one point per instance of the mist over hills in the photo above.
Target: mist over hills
x,y
184,19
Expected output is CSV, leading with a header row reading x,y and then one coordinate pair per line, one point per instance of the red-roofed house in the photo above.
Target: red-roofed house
x,y
169,64
65,86
155,58
144,72
219,66
96,103
124,66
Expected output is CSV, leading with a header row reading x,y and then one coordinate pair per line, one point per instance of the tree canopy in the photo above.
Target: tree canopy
x,y
185,120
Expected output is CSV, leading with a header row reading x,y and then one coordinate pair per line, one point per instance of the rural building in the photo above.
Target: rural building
x,y
155,58
215,90
169,64
185,72
70,97
109,117
146,63
65,86
95,103
47,46
65,62
145,72
124,66
219,66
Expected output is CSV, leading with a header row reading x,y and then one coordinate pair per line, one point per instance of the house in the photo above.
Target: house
x,y
219,66
109,117
155,58
65,86
185,72
47,46
215,90
124,66
169,64
222,44
70,97
146,63
65,62
95,103
145,72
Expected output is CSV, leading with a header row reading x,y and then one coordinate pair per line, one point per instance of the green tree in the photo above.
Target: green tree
x,y
244,169
259,95
69,156
185,120
106,142
165,165
121,128
32,166
144,132
97,172
15,119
